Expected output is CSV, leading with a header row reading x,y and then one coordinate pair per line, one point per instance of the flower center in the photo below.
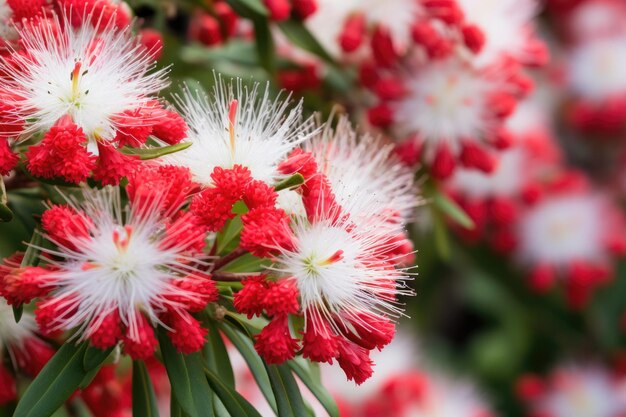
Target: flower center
x,y
75,92
314,266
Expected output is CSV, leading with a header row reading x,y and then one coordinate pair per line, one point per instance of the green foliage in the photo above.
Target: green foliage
x,y
58,379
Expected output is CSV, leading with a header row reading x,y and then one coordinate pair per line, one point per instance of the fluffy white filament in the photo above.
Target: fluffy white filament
x,y
264,130
90,73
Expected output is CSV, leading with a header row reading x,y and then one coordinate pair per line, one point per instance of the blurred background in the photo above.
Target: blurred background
x,y
521,286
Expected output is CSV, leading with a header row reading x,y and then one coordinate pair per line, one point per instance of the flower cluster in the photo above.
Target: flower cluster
x,y
444,75
585,390
76,93
129,261
594,69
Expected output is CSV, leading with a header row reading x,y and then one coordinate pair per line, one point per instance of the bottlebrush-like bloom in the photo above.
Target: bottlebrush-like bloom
x,y
84,89
19,341
595,72
593,19
344,26
337,271
507,27
416,393
494,200
453,112
362,164
118,272
93,74
238,125
390,29
572,233
575,390
403,389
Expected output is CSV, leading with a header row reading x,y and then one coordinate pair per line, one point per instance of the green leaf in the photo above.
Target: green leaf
x,y
299,35
6,215
144,400
25,209
232,400
91,360
152,153
227,237
291,182
94,357
235,51
189,384
55,383
215,353
175,410
452,209
17,312
286,391
255,364
306,375
245,263
264,44
248,8
31,256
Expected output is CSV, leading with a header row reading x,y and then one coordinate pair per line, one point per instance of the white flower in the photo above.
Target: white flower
x,y
398,363
446,101
339,271
127,263
239,125
532,152
506,25
563,228
400,356
91,73
597,69
583,392
397,16
365,177
507,179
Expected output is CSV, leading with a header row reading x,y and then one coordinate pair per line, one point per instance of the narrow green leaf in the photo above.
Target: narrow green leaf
x,y
291,182
215,353
286,391
227,237
245,263
452,209
6,215
232,400
220,409
175,410
89,377
17,312
31,256
189,384
255,364
264,44
144,400
152,153
55,383
304,372
248,8
299,35
91,360
94,357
